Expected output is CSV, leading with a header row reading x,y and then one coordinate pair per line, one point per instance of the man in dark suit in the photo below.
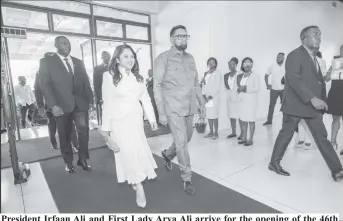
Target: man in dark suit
x,y
65,85
43,110
97,80
304,98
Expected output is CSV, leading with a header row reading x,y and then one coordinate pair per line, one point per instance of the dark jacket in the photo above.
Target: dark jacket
x,y
69,92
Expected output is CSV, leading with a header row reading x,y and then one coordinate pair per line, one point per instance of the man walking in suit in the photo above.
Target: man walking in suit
x,y
68,94
97,80
304,98
176,87
43,110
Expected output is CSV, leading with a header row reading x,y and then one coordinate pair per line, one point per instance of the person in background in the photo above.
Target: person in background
x,y
276,71
150,87
248,87
230,81
43,110
335,101
304,98
97,81
211,92
25,100
176,89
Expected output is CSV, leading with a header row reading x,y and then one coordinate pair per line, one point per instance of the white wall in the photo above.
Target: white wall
x,y
256,29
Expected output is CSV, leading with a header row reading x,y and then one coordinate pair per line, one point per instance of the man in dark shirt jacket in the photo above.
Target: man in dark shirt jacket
x,y
97,80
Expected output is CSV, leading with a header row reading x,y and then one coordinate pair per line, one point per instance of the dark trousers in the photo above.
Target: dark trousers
x,y
64,127
52,126
31,115
274,94
319,133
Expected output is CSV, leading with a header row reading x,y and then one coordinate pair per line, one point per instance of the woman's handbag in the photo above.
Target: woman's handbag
x,y
200,126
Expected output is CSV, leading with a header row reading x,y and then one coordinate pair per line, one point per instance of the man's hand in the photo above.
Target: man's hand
x,y
163,120
154,126
42,111
319,104
57,111
202,111
269,87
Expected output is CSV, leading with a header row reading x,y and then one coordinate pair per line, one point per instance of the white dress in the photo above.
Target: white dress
x,y
248,101
123,117
232,97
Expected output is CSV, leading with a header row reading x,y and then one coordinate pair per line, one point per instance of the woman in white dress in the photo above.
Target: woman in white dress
x,y
211,94
124,93
230,82
248,88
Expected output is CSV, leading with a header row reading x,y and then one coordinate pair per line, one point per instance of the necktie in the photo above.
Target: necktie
x,y
70,70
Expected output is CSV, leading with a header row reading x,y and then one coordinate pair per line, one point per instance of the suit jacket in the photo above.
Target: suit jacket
x,y
69,92
302,83
97,80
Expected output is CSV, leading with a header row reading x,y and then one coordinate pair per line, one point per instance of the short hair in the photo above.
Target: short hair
x,y
234,59
59,37
172,31
281,53
213,59
247,58
305,30
105,52
20,77
319,54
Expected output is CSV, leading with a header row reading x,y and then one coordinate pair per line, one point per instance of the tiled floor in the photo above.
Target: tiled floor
x,y
309,189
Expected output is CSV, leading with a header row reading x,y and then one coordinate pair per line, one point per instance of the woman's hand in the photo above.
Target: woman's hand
x,y
154,126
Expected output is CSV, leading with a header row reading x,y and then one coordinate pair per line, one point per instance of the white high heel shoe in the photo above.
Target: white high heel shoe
x,y
140,195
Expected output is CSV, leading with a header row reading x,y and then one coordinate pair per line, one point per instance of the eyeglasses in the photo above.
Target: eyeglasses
x,y
182,37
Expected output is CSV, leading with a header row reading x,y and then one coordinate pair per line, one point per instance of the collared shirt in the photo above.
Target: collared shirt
x,y
24,95
175,83
312,56
276,72
70,61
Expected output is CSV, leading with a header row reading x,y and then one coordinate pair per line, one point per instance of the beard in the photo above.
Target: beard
x,y
181,47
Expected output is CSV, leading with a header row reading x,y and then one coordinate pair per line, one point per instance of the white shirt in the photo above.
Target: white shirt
x,y
276,72
231,81
24,95
70,61
244,80
337,69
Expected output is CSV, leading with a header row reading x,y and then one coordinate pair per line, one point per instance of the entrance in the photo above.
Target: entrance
x,y
91,29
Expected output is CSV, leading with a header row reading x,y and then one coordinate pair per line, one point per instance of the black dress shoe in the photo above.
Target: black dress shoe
x,y
168,162
338,176
276,167
84,165
70,168
54,146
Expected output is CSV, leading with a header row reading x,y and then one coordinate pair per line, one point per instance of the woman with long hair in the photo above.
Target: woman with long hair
x,y
124,94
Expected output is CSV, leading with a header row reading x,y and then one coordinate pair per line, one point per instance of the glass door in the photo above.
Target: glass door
x,y
87,58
